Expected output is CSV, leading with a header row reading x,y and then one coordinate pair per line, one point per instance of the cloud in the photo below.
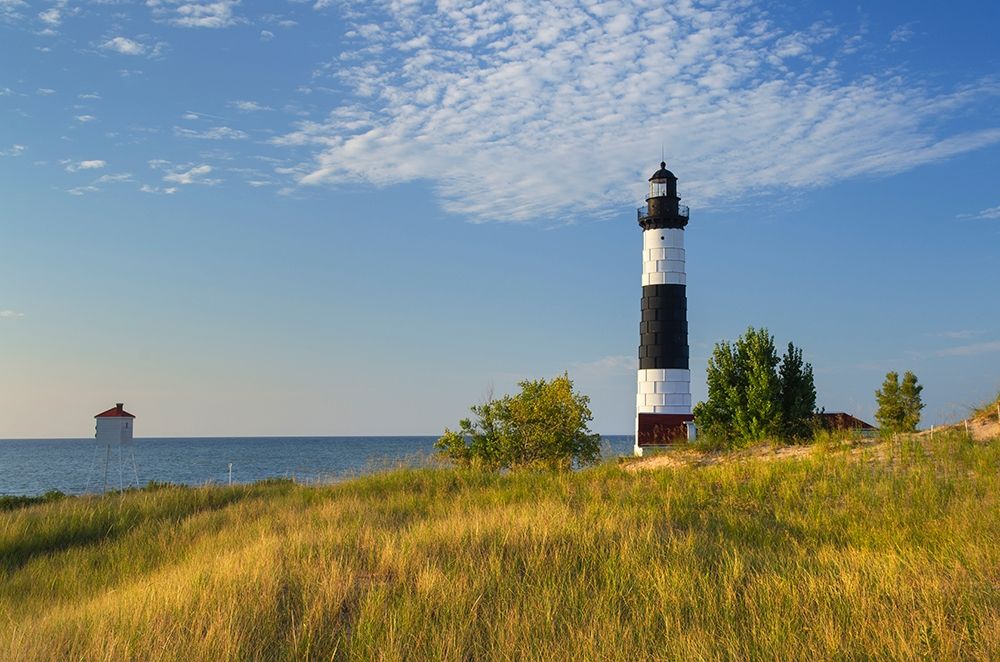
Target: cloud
x,y
266,35
902,34
249,106
973,349
492,105
88,95
185,14
114,179
960,334
93,164
607,365
988,213
51,16
45,91
84,118
83,190
15,150
9,9
170,190
10,315
215,133
125,46
193,175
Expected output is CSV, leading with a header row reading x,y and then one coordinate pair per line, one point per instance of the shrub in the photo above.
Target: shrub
x,y
545,425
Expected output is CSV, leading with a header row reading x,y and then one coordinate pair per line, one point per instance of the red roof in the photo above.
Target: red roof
x,y
115,412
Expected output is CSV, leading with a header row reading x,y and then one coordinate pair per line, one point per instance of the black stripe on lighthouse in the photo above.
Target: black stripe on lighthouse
x,y
663,330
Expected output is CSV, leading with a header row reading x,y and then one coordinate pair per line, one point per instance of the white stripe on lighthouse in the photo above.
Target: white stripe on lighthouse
x,y
663,257
664,391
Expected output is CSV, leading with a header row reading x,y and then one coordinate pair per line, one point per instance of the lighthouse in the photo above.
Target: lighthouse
x,y
663,400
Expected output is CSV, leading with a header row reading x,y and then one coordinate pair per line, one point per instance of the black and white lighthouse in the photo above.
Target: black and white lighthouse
x,y
663,401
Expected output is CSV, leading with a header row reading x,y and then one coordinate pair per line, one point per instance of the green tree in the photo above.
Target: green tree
x,y
798,394
899,405
754,395
545,425
909,395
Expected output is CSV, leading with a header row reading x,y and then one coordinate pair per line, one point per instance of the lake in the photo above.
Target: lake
x,y
76,466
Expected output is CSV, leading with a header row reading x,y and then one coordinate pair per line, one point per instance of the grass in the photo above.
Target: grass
x,y
889,555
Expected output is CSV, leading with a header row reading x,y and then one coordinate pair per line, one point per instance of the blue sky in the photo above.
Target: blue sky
x,y
360,217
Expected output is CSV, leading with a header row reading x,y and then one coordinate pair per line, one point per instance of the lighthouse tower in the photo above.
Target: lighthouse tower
x,y
663,403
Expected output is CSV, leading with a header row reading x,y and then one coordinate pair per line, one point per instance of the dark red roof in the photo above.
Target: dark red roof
x,y
838,420
115,412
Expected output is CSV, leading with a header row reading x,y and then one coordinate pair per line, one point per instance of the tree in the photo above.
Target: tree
x,y
899,405
545,425
752,394
798,394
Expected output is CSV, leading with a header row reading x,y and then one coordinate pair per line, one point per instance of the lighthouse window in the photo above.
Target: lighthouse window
x,y
657,188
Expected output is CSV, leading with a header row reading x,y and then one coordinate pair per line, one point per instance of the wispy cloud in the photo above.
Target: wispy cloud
x,y
10,315
266,35
114,179
51,17
169,190
84,118
249,106
45,91
490,104
972,349
93,164
989,213
960,334
607,365
214,133
14,150
187,14
194,175
125,46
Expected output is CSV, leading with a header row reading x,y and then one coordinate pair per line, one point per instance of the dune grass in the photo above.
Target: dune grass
x,y
837,555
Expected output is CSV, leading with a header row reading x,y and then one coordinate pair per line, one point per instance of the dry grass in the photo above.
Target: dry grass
x,y
851,555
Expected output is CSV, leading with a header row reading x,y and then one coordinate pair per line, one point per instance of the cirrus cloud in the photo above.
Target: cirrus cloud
x,y
486,102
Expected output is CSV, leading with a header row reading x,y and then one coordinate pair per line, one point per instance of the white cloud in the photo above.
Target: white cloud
x,y
83,190
266,35
125,46
215,133
193,175
84,118
114,179
187,14
10,315
169,190
989,212
6,92
50,16
92,164
45,91
493,104
973,349
88,95
902,34
15,150
249,106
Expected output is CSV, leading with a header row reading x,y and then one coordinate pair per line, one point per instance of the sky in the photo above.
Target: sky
x,y
340,218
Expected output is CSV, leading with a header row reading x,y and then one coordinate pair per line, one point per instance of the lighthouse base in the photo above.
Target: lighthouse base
x,y
654,430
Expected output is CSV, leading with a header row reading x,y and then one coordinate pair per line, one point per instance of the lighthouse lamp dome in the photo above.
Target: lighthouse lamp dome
x,y
662,183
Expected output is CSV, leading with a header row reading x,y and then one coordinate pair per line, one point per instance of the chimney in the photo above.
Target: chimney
x,y
120,406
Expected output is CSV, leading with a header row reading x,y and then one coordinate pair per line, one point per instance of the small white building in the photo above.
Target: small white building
x,y
114,426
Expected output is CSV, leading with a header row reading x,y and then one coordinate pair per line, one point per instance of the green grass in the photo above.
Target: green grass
x,y
890,555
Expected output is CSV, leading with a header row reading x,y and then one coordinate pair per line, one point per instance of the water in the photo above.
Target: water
x,y
75,466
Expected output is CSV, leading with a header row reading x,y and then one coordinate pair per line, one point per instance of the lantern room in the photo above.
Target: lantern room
x,y
663,183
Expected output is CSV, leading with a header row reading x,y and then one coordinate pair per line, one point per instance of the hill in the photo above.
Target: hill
x,y
842,552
